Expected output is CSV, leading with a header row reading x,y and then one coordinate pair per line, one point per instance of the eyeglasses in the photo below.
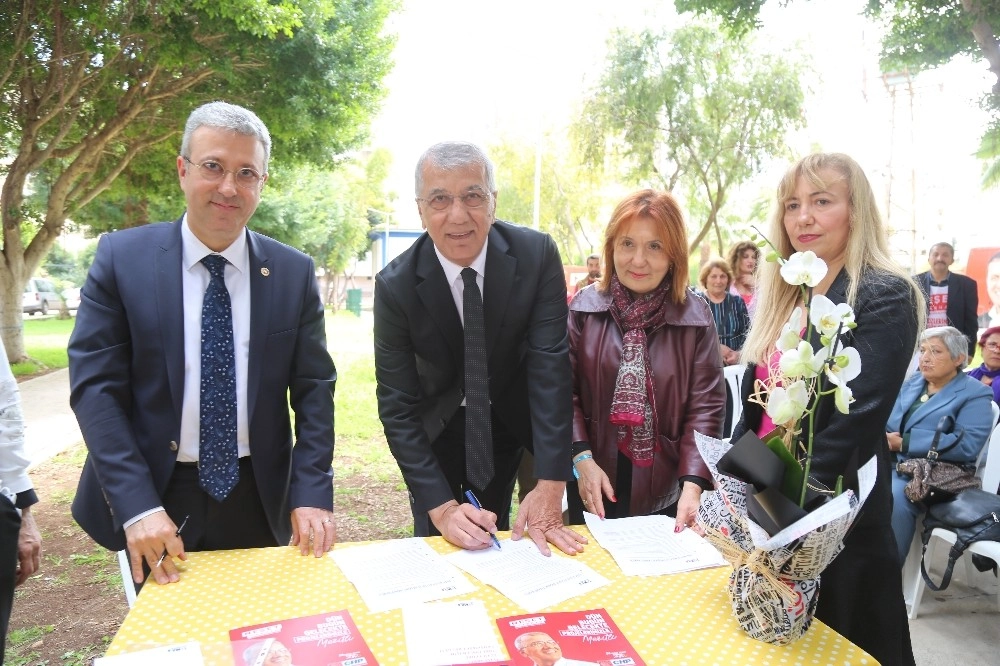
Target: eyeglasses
x,y
538,644
213,172
443,201
992,346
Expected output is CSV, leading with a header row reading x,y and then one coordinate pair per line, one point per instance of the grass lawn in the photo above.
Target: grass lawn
x,y
45,341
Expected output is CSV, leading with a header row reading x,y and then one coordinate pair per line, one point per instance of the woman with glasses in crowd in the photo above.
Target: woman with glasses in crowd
x,y
939,389
987,372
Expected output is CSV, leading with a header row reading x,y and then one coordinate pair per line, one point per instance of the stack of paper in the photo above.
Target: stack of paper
x,y
395,573
648,545
451,632
522,574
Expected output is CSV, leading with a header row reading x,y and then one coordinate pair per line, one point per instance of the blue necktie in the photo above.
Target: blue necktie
x,y
218,457
478,429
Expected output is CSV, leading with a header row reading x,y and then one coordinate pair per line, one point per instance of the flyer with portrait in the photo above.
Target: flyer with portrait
x,y
327,639
578,638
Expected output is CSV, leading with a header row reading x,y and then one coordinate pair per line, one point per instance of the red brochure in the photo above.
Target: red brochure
x,y
578,638
327,639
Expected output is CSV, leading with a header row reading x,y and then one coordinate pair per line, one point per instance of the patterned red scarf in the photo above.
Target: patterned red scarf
x,y
633,407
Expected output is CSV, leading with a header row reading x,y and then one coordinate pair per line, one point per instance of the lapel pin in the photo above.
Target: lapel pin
x,y
265,272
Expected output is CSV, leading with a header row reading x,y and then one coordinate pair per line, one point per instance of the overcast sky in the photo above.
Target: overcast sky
x,y
483,71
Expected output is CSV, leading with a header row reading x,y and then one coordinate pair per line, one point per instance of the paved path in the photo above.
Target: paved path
x,y
50,426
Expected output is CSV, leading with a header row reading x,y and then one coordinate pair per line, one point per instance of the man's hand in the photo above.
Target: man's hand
x,y
147,539
313,526
464,525
541,514
29,547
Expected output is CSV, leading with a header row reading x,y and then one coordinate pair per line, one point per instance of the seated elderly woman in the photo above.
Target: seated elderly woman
x,y
987,373
939,389
728,310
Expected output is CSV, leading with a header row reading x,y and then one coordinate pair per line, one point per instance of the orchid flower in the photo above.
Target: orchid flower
x,y
790,337
787,404
804,268
828,316
846,366
801,361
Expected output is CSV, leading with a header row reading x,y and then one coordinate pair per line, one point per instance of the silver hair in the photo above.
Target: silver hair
x,y
453,155
522,639
954,341
230,117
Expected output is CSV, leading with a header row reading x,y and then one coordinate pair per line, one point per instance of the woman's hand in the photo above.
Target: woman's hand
x,y
729,356
594,486
895,441
687,506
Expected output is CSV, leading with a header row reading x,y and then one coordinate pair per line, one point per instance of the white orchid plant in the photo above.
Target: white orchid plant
x,y
794,389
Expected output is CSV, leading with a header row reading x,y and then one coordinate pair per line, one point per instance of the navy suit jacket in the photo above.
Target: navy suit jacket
x,y
963,304
420,350
963,398
126,364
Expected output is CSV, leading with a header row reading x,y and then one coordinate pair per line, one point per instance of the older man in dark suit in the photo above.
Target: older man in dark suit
x,y
952,299
472,361
190,341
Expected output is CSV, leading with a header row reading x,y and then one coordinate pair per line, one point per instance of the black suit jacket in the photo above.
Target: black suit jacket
x,y
419,355
963,304
126,364
862,596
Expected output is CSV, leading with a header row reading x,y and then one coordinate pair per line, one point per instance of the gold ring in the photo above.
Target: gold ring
x,y
586,502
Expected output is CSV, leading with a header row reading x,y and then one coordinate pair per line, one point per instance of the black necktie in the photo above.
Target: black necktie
x,y
478,431
218,457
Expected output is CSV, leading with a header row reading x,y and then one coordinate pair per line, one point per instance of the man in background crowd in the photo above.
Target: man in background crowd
x,y
593,272
952,299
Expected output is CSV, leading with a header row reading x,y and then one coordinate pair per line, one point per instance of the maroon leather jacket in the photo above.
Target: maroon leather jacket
x,y
690,392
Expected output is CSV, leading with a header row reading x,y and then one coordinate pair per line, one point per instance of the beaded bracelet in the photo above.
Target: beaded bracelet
x,y
585,456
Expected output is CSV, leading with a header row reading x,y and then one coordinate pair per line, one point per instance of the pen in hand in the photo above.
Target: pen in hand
x,y
177,533
475,502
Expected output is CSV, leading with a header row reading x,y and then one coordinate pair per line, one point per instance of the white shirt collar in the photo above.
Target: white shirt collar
x,y
453,271
193,250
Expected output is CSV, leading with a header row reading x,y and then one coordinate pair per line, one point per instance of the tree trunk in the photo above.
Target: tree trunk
x,y
11,321
983,33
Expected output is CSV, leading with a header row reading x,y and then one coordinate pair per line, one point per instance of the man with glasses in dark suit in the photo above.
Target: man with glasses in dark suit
x,y
192,340
472,361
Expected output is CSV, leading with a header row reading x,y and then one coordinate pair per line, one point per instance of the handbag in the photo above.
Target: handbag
x,y
974,515
934,481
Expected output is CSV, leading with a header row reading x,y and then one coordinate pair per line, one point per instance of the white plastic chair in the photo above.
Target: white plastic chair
x,y
126,578
734,404
988,470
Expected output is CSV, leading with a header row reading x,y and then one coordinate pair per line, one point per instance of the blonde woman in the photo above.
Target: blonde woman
x,y
825,204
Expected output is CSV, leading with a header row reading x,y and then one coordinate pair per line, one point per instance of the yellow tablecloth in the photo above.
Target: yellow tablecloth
x,y
677,619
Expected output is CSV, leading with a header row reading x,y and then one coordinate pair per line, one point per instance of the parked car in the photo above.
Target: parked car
x,y
39,295
72,297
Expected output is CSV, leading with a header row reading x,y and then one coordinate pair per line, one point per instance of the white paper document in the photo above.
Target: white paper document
x,y
526,577
648,545
450,632
182,654
395,573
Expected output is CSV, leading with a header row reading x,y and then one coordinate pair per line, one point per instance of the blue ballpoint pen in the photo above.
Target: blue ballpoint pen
x,y
475,503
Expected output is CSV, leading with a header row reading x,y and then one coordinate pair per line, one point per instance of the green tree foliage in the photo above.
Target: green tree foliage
x,y
568,203
325,213
693,112
95,89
